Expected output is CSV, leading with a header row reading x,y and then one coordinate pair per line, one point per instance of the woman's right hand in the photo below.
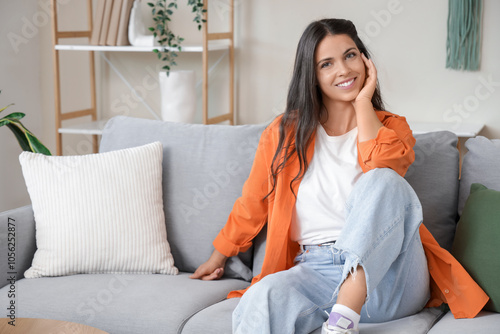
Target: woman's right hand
x,y
212,269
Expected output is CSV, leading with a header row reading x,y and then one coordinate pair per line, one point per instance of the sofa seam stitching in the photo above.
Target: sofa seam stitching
x,y
185,320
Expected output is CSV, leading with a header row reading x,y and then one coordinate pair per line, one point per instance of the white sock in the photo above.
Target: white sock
x,y
347,313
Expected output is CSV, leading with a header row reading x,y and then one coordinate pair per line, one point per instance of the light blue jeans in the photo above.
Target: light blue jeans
x,y
383,215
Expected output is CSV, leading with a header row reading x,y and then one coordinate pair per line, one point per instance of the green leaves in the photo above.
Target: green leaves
x,y
199,11
162,11
21,138
26,139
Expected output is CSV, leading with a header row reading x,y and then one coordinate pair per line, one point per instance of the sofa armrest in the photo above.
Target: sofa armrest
x,y
17,242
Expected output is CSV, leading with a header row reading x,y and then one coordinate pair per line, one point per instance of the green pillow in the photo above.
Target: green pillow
x,y
477,241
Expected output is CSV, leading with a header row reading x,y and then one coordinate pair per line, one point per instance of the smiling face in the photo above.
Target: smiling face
x,y
340,70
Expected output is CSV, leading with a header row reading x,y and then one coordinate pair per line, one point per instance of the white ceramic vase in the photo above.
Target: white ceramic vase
x,y
138,32
178,96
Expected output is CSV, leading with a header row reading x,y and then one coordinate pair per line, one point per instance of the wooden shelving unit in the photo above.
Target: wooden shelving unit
x,y
211,42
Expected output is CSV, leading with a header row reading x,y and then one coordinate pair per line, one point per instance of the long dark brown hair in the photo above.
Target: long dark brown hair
x,y
304,101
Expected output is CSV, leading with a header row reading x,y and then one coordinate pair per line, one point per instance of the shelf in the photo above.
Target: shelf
x,y
212,46
466,130
90,128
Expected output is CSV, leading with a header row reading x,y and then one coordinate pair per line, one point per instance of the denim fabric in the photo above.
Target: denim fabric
x,y
383,215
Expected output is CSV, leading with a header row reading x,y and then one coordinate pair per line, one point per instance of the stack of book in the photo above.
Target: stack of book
x,y
111,22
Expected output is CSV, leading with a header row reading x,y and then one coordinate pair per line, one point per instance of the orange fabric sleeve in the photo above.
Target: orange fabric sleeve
x,y
249,213
392,148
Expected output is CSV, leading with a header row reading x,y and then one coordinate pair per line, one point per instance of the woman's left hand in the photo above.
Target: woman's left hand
x,y
366,93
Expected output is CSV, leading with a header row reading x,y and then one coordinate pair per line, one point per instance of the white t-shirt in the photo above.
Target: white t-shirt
x,y
319,213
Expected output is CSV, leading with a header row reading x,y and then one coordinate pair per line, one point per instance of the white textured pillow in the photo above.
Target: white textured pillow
x,y
98,213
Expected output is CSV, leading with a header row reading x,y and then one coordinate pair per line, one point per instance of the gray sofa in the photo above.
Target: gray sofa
x,y
204,170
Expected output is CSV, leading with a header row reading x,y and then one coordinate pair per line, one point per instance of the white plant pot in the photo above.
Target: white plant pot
x,y
138,32
178,96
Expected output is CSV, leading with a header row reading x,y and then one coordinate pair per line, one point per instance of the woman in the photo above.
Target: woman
x,y
327,180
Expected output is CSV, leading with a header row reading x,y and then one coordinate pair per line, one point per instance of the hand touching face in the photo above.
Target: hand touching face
x,y
370,84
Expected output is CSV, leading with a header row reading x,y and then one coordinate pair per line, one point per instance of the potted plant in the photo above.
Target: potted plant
x,y
178,88
25,137
162,11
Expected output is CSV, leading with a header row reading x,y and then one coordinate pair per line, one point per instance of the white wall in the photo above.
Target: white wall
x,y
20,84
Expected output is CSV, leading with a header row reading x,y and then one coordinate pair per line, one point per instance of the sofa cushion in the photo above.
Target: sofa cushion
x,y
484,323
434,177
419,323
217,318
98,213
125,304
480,165
476,241
204,168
